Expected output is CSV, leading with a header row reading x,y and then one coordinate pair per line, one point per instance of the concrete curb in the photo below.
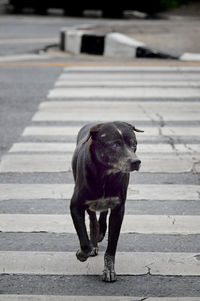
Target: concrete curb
x,y
84,39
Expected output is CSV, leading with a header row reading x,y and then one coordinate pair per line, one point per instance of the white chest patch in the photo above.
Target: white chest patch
x,y
103,204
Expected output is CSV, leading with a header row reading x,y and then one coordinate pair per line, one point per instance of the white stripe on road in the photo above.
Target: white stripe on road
x,y
128,92
62,163
181,131
36,163
122,110
81,298
135,192
151,106
125,76
128,68
168,164
145,224
42,147
51,131
187,148
85,83
127,263
108,114
73,131
90,298
70,147
35,191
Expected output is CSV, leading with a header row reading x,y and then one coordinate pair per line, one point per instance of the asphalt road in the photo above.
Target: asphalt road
x,y
23,88
24,85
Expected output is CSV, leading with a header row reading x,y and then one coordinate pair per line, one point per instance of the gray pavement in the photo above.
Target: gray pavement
x,y
19,99
149,286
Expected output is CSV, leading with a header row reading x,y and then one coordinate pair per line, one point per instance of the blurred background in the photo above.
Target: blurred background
x,y
98,8
28,26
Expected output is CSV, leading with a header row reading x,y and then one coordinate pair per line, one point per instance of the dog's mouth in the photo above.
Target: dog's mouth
x,y
134,166
113,171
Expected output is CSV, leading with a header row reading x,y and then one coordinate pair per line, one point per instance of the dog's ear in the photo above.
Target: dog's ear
x,y
134,128
92,133
137,130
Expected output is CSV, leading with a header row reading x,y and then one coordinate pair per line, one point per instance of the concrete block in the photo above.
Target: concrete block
x,y
117,44
73,40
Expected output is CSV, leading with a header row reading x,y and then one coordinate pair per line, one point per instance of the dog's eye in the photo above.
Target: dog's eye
x,y
115,145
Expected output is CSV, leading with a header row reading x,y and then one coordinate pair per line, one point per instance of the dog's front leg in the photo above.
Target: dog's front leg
x,y
115,222
94,231
78,216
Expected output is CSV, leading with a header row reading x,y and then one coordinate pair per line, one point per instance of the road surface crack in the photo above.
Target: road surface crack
x,y
147,114
170,140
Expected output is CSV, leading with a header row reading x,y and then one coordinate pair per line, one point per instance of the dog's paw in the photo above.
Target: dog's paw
x,y
94,251
82,256
109,274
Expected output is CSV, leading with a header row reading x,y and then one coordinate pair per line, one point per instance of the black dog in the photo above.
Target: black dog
x,y
103,159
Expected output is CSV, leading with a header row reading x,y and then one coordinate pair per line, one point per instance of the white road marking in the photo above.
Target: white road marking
x,y
129,68
125,76
36,163
128,92
127,263
73,131
42,147
181,131
122,110
135,192
189,148
85,83
167,164
51,131
146,224
70,147
62,162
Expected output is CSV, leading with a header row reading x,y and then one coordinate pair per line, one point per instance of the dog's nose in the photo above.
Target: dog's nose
x,y
135,164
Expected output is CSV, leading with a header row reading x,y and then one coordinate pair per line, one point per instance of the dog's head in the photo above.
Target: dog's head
x,y
114,145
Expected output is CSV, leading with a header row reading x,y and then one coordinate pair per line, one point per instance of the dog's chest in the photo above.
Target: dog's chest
x,y
103,204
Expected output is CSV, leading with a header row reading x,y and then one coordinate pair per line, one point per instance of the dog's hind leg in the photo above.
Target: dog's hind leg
x,y
102,225
94,231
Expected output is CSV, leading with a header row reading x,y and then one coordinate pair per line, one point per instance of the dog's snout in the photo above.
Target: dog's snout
x,y
135,164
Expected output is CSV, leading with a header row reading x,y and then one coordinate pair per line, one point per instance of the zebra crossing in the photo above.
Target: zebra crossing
x,y
161,100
